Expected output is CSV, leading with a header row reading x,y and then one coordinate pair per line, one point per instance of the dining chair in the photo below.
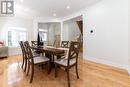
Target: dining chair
x,y
34,60
24,63
34,43
70,61
65,44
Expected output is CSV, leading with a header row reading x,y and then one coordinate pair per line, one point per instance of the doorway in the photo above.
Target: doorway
x,y
73,31
50,33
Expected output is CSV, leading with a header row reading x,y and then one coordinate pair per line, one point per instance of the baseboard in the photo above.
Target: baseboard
x,y
106,62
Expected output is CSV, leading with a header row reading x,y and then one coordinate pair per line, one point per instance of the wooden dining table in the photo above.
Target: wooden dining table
x,y
49,52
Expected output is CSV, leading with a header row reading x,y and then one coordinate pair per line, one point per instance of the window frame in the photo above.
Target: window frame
x,y
44,31
18,30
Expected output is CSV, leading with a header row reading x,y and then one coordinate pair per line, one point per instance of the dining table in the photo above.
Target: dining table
x,y
50,52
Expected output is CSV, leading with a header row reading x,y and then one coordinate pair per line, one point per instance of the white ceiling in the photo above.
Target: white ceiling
x,y
46,8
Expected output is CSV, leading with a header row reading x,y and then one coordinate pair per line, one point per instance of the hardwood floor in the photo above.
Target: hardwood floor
x,y
91,75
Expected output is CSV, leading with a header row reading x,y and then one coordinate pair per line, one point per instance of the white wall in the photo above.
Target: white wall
x,y
15,22
43,26
65,36
51,34
129,37
109,43
57,29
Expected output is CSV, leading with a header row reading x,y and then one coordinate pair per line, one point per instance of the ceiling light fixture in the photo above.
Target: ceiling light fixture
x,y
54,14
68,7
21,0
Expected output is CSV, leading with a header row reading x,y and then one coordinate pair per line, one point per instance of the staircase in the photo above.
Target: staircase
x,y
80,25
80,38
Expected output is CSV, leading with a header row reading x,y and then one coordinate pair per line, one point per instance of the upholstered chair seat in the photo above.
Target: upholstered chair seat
x,y
65,61
40,59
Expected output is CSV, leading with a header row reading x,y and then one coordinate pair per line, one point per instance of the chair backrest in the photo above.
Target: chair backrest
x,y
65,44
73,51
22,48
41,43
28,51
34,43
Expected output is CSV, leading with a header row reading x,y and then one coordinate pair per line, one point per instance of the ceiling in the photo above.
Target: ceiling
x,y
47,8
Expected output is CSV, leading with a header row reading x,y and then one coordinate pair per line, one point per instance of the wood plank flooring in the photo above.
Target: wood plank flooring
x,y
91,75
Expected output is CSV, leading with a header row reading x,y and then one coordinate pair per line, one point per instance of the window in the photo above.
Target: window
x,y
15,35
43,34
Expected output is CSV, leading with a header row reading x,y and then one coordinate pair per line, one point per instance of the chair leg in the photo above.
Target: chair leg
x,y
25,65
77,71
68,78
53,57
42,66
42,54
49,68
32,73
65,70
55,70
28,69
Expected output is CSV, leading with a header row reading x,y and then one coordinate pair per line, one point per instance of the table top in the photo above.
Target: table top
x,y
49,49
